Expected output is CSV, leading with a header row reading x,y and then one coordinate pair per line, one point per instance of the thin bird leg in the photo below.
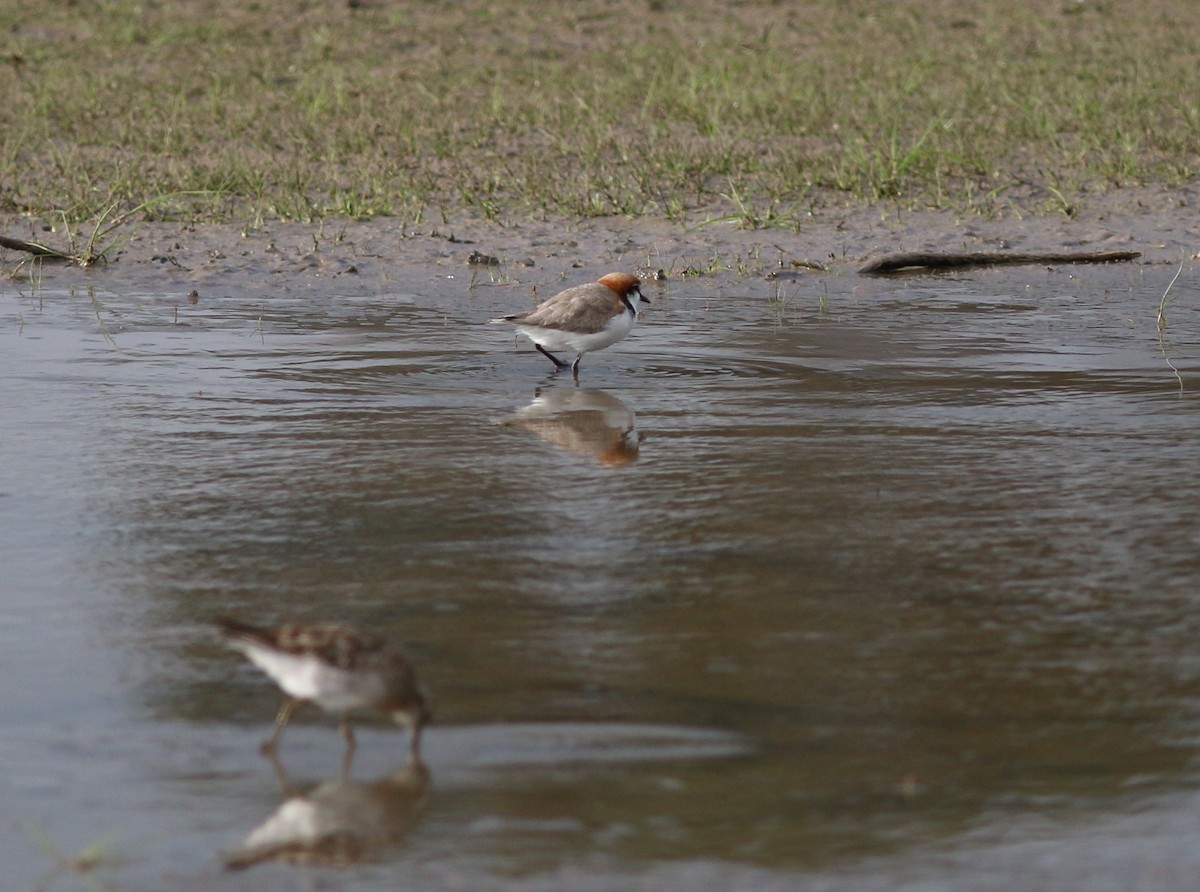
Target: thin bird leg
x,y
558,363
285,715
285,782
575,367
351,745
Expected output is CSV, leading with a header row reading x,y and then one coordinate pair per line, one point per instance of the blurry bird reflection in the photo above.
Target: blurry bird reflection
x,y
586,421
338,822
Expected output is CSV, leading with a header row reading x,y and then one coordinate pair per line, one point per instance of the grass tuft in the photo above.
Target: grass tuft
x,y
755,113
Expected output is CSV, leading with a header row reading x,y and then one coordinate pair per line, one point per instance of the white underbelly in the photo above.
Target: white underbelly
x,y
306,679
559,339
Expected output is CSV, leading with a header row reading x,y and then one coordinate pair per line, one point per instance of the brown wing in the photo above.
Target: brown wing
x,y
584,308
338,645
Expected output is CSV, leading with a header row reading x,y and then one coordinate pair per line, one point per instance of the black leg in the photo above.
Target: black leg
x,y
575,366
558,363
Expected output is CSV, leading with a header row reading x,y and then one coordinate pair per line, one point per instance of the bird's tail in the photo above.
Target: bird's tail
x,y
235,630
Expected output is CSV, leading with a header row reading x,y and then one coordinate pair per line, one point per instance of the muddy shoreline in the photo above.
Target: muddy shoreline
x,y
1159,222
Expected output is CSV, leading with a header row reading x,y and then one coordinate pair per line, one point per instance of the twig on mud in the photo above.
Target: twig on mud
x,y
1162,324
81,253
88,251
894,263
33,248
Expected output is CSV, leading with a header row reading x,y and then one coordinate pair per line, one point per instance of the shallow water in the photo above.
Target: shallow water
x,y
830,583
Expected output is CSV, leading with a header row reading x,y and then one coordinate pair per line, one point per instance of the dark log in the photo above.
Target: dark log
x,y
895,263
33,248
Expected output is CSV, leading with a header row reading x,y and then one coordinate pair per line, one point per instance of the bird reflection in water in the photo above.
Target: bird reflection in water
x,y
338,822
586,421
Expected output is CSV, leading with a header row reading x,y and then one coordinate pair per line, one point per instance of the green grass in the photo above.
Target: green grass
x,y
681,111
84,866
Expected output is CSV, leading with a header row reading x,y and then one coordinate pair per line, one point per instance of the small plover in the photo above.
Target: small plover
x,y
583,318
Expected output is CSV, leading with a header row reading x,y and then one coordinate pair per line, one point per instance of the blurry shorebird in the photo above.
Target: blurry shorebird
x,y
338,667
583,318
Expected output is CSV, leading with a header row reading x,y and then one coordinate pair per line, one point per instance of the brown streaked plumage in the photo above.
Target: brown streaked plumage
x,y
582,318
339,668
